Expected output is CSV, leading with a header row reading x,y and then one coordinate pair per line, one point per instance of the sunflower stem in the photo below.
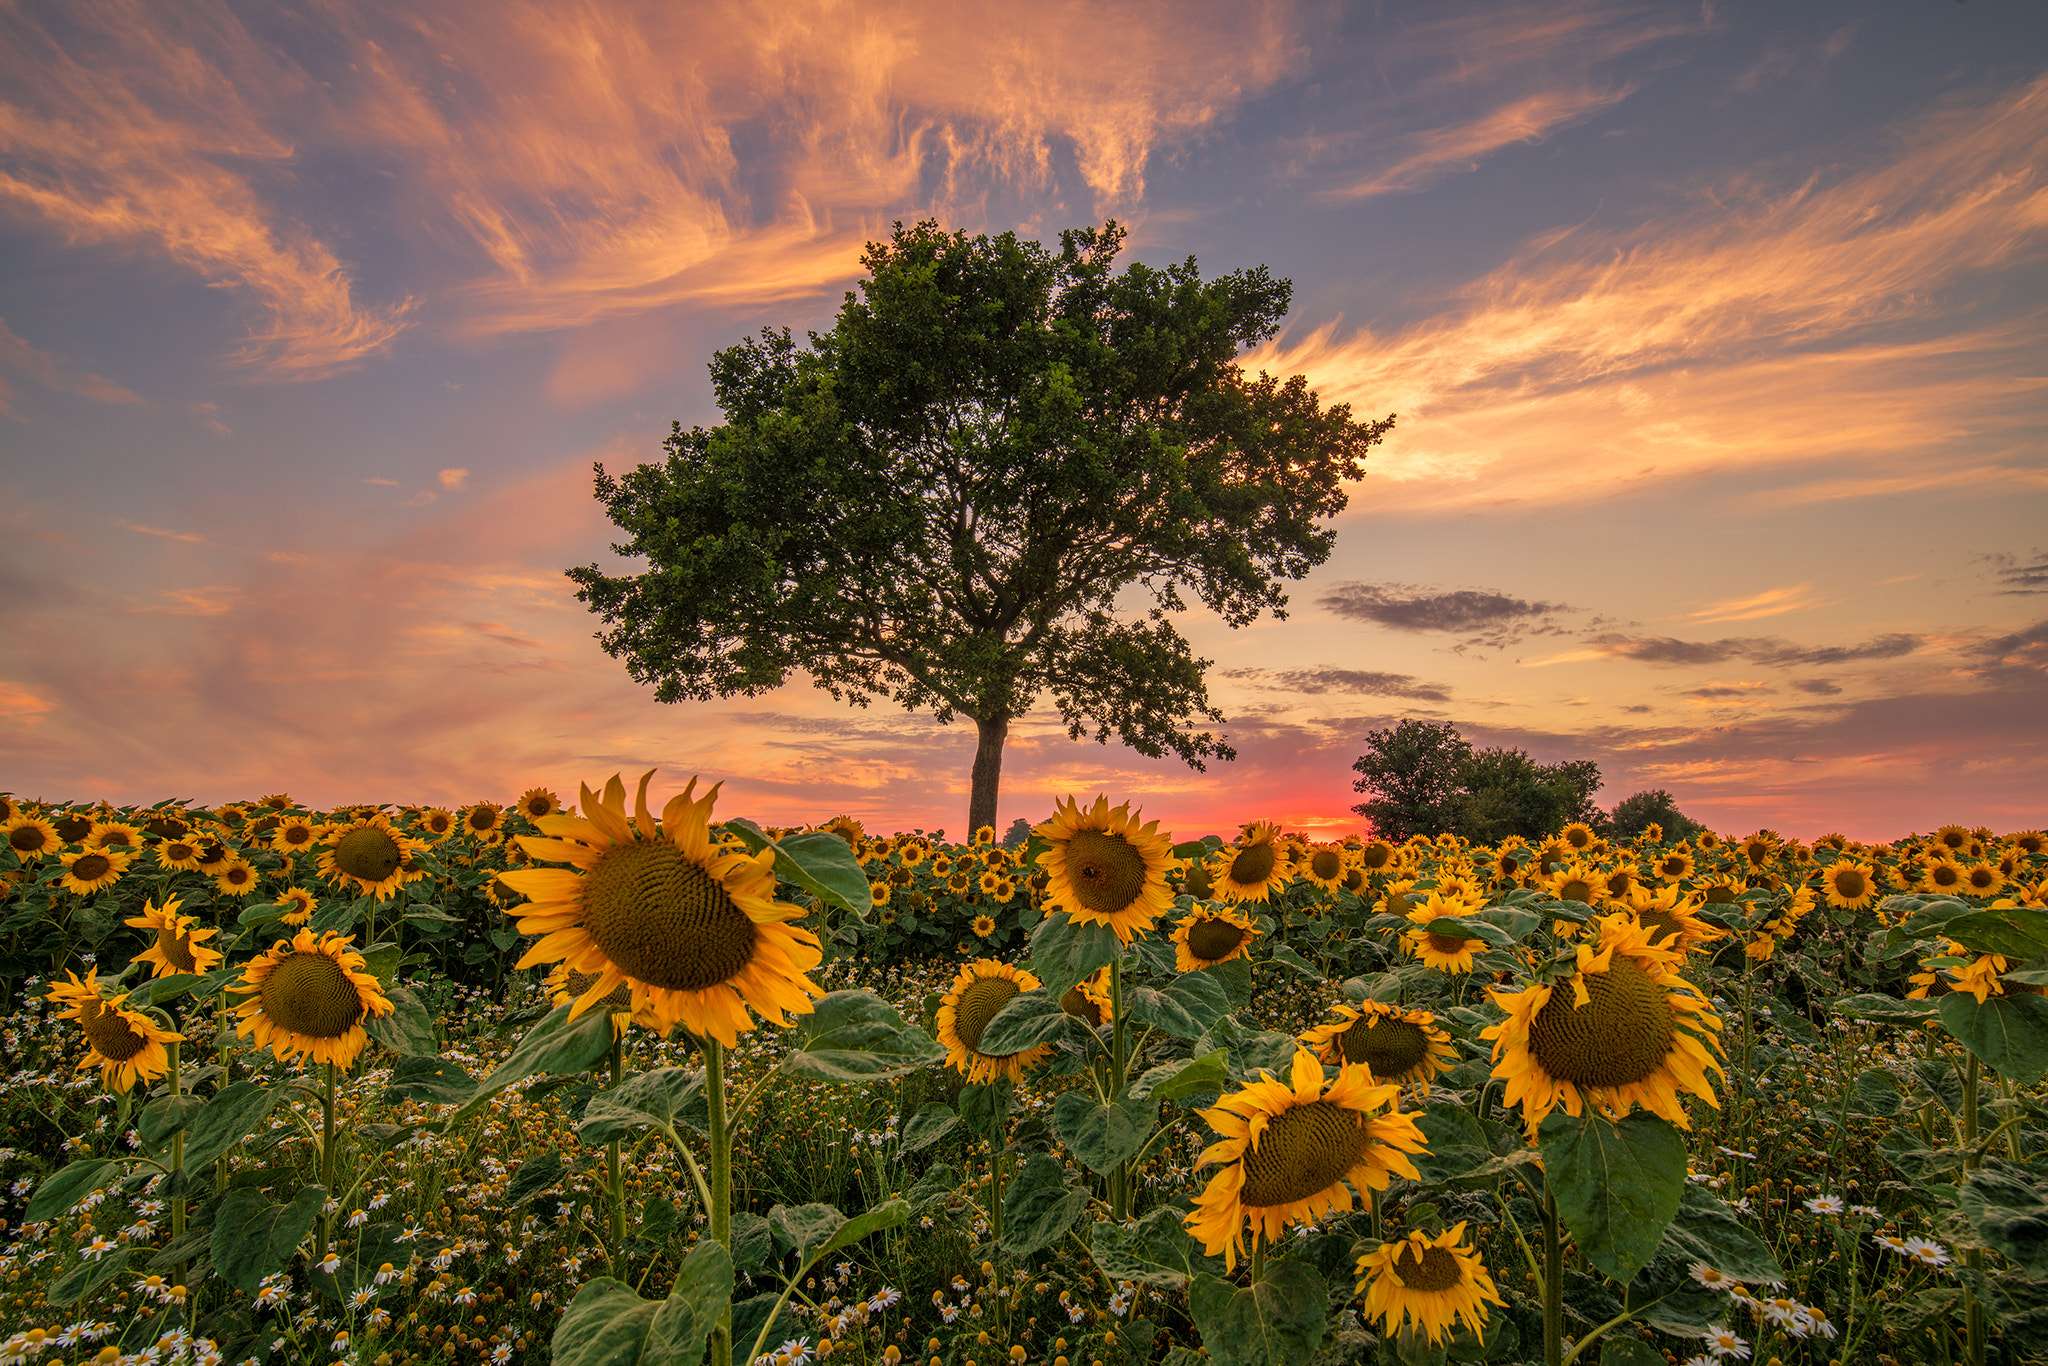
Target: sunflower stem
x,y
1553,1285
616,1181
1119,1180
1258,1255
178,1165
1973,1309
326,1165
721,1179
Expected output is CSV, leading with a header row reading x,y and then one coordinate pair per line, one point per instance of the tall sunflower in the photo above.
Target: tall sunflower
x,y
536,802
1397,1044
126,1045
1324,865
90,870
178,946
1290,1148
434,824
1434,1281
1253,868
984,987
1106,869
1208,937
484,821
693,927
1623,1030
369,855
309,996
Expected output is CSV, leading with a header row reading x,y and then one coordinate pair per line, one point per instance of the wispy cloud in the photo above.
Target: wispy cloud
x,y
190,537
18,357
2016,577
1365,682
1766,650
1772,602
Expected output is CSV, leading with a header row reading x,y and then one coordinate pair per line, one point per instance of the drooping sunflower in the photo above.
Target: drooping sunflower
x,y
1104,868
301,904
695,928
1324,865
1850,886
126,1045
368,855
88,870
1670,917
1253,868
1209,937
308,997
984,987
294,833
565,986
178,947
536,802
1290,1148
1397,1044
1723,888
1623,1030
31,836
1436,1282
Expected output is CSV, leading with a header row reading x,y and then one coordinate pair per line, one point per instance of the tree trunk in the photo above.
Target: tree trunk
x,y
988,774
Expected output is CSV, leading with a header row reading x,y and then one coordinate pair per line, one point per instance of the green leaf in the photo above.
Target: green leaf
x,y
1463,927
985,1109
1706,1230
160,990
802,1228
438,1081
1026,1020
932,1122
1156,1251
817,861
1063,953
2017,932
1184,1077
553,1045
233,1114
1457,1143
535,1174
1519,924
607,1324
752,1241
88,1277
2010,1213
1617,1186
1620,1351
165,1116
1294,962
1884,1009
1235,977
663,1097
1103,1135
857,1036
892,1214
409,1029
252,1237
1038,1208
1201,997
1277,1322
2010,1033
69,1185
381,961
751,1323
1248,1052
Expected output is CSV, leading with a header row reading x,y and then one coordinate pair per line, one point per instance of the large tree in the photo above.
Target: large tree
x,y
940,500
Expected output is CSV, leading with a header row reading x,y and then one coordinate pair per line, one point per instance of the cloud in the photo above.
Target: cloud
x,y
1437,152
1818,687
1718,691
191,537
1837,315
20,704
1315,682
1403,607
452,479
51,372
1771,602
2026,649
2018,579
1757,649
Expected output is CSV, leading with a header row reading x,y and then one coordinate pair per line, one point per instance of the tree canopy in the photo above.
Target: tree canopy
x,y
1425,778
939,500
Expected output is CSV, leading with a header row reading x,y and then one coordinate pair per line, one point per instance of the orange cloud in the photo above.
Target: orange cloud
x,y
51,372
19,704
1744,332
453,479
1440,151
1772,602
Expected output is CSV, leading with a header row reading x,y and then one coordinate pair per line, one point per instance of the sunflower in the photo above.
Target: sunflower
x,y
1675,866
1944,874
984,926
2028,842
368,855
309,996
88,870
984,987
848,829
1435,1282
1574,882
1707,840
1207,938
1088,1000
1005,890
235,878
484,821
114,835
126,1045
1253,868
912,852
1623,1030
1850,886
1579,837
1378,856
177,855
1398,899
435,824
1104,868
1397,1044
1653,833
9,808
1723,888
1444,952
1196,882
984,834
1324,865
1290,1147
536,802
1953,838
213,856
695,929
294,833
565,986
1669,912
1619,883
301,902
178,947
1509,862
73,826
1983,879
30,836
1758,850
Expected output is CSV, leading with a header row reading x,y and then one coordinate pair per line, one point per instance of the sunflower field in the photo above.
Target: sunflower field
x,y
612,1084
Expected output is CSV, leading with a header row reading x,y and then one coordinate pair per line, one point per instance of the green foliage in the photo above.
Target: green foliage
x,y
1425,778
1617,1185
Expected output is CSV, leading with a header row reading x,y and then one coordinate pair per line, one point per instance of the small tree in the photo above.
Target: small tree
x,y
940,500
1019,834
1413,777
1632,815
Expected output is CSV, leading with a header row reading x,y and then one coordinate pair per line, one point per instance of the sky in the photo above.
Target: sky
x,y
1717,335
